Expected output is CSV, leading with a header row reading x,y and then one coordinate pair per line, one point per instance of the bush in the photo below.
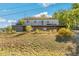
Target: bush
x,y
28,28
64,35
9,29
13,31
37,31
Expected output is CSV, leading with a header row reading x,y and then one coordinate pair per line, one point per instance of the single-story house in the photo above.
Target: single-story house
x,y
36,23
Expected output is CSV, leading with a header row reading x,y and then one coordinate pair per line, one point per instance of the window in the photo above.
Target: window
x,y
35,21
27,21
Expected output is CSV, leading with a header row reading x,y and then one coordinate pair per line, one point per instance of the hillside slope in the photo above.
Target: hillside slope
x,y
27,44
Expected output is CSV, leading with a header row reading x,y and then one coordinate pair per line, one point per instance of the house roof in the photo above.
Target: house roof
x,y
38,18
41,25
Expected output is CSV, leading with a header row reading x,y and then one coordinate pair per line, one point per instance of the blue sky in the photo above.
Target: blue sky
x,y
14,11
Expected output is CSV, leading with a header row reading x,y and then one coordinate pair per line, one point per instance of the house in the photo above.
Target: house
x,y
38,23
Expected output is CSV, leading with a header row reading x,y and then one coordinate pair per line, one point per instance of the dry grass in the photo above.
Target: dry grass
x,y
29,44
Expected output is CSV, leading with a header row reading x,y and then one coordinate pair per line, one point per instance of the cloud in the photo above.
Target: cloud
x,y
47,4
2,22
4,10
2,19
6,22
10,21
42,13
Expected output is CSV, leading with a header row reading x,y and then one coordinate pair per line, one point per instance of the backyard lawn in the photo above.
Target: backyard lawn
x,y
31,44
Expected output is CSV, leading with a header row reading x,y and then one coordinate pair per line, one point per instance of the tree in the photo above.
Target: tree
x,y
21,22
70,18
61,16
75,5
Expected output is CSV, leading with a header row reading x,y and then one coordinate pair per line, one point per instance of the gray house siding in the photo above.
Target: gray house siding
x,y
19,28
42,22
38,24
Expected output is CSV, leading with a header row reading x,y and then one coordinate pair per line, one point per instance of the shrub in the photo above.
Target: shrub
x,y
64,35
50,31
54,30
28,28
13,31
37,31
9,29
65,31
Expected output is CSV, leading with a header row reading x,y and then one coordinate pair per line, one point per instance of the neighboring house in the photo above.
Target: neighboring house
x,y
37,23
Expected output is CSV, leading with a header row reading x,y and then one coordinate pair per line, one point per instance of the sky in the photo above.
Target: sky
x,y
10,13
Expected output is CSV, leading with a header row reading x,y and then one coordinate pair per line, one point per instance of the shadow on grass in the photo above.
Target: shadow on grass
x,y
19,34
63,39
